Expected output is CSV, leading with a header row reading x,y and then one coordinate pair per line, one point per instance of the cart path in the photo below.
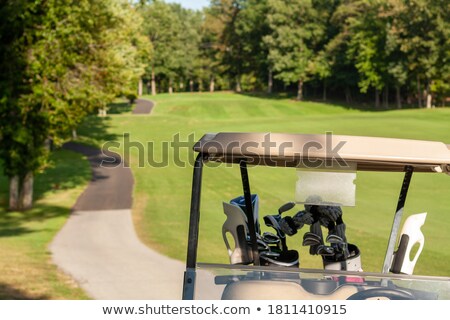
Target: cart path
x,y
111,185
143,106
99,248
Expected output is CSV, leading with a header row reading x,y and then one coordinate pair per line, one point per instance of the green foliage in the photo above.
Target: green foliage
x,y
60,60
175,35
131,97
293,32
351,46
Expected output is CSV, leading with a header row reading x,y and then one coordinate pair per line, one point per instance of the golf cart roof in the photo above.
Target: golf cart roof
x,y
302,150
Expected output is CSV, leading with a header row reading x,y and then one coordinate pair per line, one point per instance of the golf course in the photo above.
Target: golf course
x,y
163,186
161,196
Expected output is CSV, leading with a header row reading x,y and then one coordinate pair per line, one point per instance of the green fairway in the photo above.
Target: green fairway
x,y
162,194
27,271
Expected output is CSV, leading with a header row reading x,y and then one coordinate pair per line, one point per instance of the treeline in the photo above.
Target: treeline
x,y
60,60
385,51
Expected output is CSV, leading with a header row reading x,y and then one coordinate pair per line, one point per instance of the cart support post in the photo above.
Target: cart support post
x,y
397,219
249,211
194,221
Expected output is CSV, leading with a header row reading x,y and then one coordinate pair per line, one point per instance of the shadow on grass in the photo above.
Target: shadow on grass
x,y
119,108
269,96
15,223
96,129
65,170
8,292
362,106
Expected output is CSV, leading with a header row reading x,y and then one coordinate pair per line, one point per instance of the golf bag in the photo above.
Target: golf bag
x,y
271,249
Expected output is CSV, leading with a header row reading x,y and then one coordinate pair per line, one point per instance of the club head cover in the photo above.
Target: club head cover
x,y
339,231
331,212
327,223
273,221
317,230
288,226
303,217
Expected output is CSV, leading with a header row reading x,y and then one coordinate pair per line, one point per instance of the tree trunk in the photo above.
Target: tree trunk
x,y
429,96
398,97
191,85
419,92
324,96
14,193
238,84
348,95
26,192
386,97
270,82
409,99
211,84
48,144
377,99
140,87
200,85
170,86
300,90
181,85
74,134
153,83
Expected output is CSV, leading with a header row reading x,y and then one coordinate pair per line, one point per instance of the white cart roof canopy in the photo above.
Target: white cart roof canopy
x,y
317,150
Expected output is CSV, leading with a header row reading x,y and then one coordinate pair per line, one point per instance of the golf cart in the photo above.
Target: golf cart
x,y
262,267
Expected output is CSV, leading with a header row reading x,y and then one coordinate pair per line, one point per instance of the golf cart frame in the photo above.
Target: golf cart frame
x,y
304,150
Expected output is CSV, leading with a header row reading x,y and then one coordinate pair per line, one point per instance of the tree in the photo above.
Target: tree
x,y
322,60
211,47
157,26
175,35
61,60
367,48
188,49
422,31
294,28
232,57
252,26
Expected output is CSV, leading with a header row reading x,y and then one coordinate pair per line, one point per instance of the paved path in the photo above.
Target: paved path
x,y
143,106
111,185
100,250
98,245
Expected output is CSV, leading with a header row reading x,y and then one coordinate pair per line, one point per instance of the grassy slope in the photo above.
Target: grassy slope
x,y
25,262
162,194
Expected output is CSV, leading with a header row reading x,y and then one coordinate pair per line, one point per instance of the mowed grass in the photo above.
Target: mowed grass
x,y
27,271
162,192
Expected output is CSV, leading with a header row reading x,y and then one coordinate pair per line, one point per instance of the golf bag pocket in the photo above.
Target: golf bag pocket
x,y
410,236
236,226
